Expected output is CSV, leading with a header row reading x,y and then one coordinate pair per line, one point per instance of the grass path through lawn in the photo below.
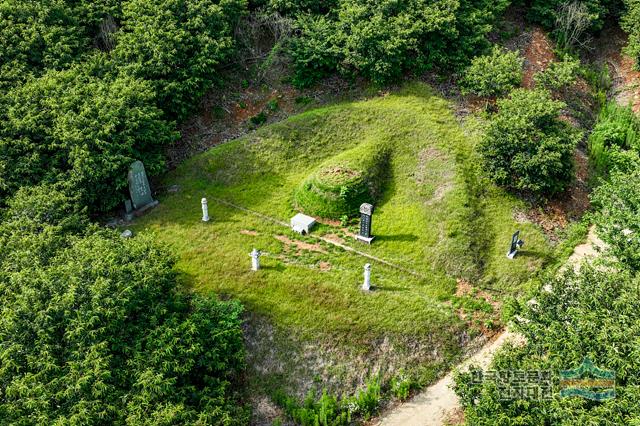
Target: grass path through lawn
x,y
326,240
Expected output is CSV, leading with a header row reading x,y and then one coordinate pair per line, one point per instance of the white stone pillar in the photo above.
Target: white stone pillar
x,y
205,210
366,286
255,259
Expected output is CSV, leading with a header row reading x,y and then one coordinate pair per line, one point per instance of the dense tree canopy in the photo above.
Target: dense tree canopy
x,y
95,330
592,314
382,40
177,45
81,126
618,216
527,147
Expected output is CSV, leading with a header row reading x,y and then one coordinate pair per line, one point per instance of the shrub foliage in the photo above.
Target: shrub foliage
x,y
494,74
590,314
382,40
95,330
527,147
83,128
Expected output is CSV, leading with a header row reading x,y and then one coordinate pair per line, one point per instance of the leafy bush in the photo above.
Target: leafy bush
x,y
83,127
494,74
630,22
382,40
545,12
47,34
401,386
617,130
317,52
618,203
527,147
344,182
98,331
559,75
591,314
177,45
329,411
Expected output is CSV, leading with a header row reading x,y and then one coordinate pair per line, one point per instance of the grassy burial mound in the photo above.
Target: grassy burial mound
x,y
435,216
345,181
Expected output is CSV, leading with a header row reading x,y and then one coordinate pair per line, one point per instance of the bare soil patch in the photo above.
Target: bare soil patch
x,y
298,246
625,79
538,54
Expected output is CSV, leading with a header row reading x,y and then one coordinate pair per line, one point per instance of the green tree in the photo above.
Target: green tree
x,y
630,22
37,36
81,126
559,75
592,314
527,147
494,74
177,45
97,331
383,40
618,216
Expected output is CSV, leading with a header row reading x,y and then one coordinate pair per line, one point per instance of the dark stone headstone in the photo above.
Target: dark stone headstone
x,y
516,243
139,186
366,211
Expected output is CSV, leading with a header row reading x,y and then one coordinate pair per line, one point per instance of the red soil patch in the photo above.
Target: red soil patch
x,y
626,80
324,266
477,319
335,238
299,245
538,55
569,205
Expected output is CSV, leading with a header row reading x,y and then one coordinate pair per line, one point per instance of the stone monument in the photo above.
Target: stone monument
x,y
366,286
205,210
516,243
139,188
366,211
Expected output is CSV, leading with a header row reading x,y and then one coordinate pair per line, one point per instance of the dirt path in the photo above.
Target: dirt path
x,y
436,403
587,250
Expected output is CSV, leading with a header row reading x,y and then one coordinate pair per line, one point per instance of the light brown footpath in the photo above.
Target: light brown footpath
x,y
437,403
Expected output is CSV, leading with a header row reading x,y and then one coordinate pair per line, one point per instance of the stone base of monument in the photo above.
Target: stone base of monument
x,y
141,210
128,216
366,240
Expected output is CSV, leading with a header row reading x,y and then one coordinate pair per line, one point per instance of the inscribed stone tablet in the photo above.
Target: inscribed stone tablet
x,y
139,185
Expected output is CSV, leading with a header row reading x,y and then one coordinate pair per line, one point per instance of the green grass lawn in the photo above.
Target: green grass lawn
x,y
437,216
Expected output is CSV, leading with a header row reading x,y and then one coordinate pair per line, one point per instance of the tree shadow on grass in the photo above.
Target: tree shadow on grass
x,y
532,254
279,267
389,288
397,237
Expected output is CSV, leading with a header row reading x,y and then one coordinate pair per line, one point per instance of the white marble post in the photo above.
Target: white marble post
x,y
255,259
366,286
205,210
